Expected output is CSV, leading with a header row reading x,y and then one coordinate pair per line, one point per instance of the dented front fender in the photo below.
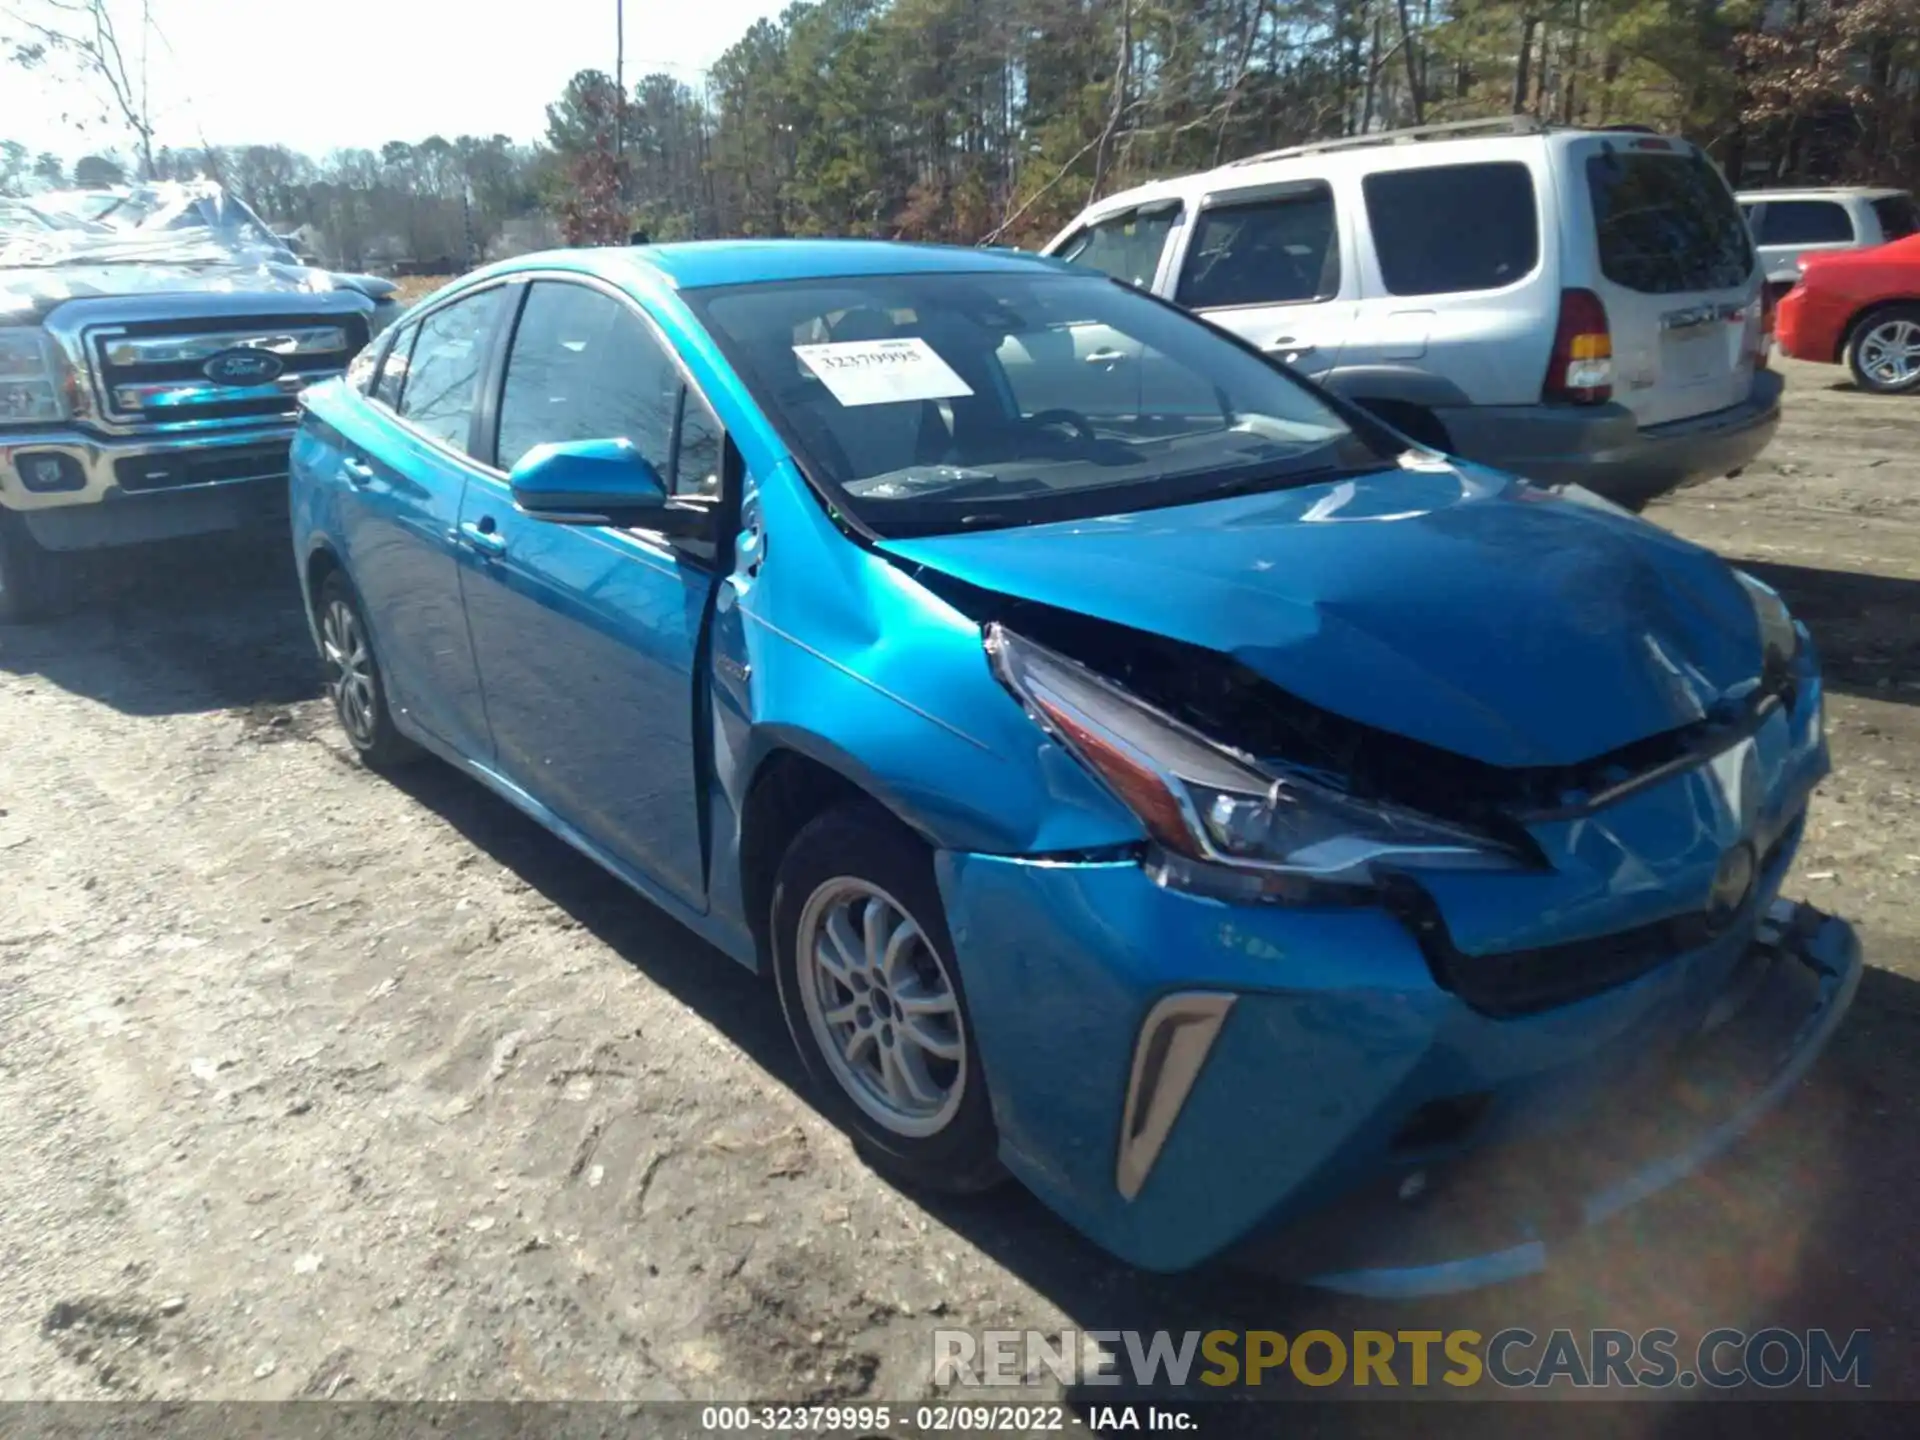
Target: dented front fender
x,y
828,649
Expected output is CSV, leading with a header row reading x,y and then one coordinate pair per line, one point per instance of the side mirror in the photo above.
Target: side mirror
x,y
602,482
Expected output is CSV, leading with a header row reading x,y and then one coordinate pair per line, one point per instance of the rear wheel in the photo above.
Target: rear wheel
x,y
354,681
34,583
873,999
1884,353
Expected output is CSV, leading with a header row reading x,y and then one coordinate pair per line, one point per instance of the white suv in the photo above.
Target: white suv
x,y
1567,304
1790,223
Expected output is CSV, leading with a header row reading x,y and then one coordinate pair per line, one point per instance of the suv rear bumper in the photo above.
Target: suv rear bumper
x,y
141,488
1600,447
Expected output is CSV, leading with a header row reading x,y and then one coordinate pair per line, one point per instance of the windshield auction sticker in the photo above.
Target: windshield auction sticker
x,y
882,372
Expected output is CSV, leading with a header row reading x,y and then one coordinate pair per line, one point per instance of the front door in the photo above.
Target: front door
x,y
1265,263
587,635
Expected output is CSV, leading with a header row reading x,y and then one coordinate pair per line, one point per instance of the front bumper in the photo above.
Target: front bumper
x,y
1353,1053
122,491
1493,1214
1601,448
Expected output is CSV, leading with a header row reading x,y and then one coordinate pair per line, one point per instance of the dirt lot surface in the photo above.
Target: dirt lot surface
x,y
313,1084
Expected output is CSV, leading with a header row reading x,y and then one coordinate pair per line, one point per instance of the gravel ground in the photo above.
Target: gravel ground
x,y
313,1084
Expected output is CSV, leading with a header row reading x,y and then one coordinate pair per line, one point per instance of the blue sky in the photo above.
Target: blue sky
x,y
342,73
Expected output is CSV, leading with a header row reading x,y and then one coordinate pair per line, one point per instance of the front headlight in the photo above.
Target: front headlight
x,y
1226,822
29,388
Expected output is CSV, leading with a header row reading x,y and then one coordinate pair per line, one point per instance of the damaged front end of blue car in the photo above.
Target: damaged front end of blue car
x,y
1455,919
1353,859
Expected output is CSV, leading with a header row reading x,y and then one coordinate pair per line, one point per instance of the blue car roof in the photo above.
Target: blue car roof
x,y
695,264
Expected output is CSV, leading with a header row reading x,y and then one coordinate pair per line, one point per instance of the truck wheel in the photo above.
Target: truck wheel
x,y
355,684
873,999
1884,351
33,581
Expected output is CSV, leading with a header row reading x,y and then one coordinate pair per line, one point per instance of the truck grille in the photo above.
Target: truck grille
x,y
171,372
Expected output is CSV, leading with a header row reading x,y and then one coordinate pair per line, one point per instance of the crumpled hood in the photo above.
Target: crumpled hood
x,y
40,272
1450,605
30,294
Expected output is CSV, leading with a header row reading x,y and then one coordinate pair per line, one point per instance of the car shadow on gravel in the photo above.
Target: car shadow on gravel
x,y
1804,1224
186,627
1864,624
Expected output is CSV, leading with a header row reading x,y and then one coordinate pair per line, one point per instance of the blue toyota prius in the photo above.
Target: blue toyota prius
x,y
1139,771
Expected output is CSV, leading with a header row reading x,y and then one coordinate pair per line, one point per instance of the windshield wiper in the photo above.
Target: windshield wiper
x,y
1282,479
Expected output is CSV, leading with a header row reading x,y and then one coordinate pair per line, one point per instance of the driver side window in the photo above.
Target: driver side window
x,y
584,367
1276,249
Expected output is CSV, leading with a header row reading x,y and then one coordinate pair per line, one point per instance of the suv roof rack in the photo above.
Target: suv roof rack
x,y
1449,130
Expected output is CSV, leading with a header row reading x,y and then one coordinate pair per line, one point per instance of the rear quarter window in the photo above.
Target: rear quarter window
x,y
1665,223
1452,228
1805,222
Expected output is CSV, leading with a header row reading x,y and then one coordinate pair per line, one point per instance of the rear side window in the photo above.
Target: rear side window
x,y
1805,222
1127,247
1452,228
1665,223
1276,248
443,374
1898,218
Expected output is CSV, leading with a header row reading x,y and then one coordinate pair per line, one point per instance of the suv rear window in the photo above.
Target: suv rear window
x,y
1491,237
1897,216
1667,223
1805,222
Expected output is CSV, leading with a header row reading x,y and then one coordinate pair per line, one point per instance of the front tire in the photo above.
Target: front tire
x,y
34,583
874,1002
1884,352
355,684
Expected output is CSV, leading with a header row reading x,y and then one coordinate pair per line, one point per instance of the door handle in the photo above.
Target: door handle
x,y
1290,345
482,538
356,471
1106,357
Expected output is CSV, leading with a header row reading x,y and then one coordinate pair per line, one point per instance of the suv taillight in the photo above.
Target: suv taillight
x,y
1763,346
1581,370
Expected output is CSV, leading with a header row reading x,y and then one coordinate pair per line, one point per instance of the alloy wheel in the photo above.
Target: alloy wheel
x,y
1890,353
349,667
882,1007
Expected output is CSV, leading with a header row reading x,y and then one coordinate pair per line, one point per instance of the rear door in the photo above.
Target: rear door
x,y
404,466
1663,244
1266,261
1457,280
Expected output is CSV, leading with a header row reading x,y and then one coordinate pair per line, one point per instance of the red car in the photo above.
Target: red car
x,y
1861,308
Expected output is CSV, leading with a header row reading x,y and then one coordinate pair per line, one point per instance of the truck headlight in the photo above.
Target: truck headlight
x,y
1225,823
29,385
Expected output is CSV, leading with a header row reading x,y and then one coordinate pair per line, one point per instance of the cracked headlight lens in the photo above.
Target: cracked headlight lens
x,y
1213,809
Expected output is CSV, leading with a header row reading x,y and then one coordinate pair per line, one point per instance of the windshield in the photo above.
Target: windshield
x,y
936,402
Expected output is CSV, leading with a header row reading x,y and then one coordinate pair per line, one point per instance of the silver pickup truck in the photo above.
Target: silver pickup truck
x,y
148,390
